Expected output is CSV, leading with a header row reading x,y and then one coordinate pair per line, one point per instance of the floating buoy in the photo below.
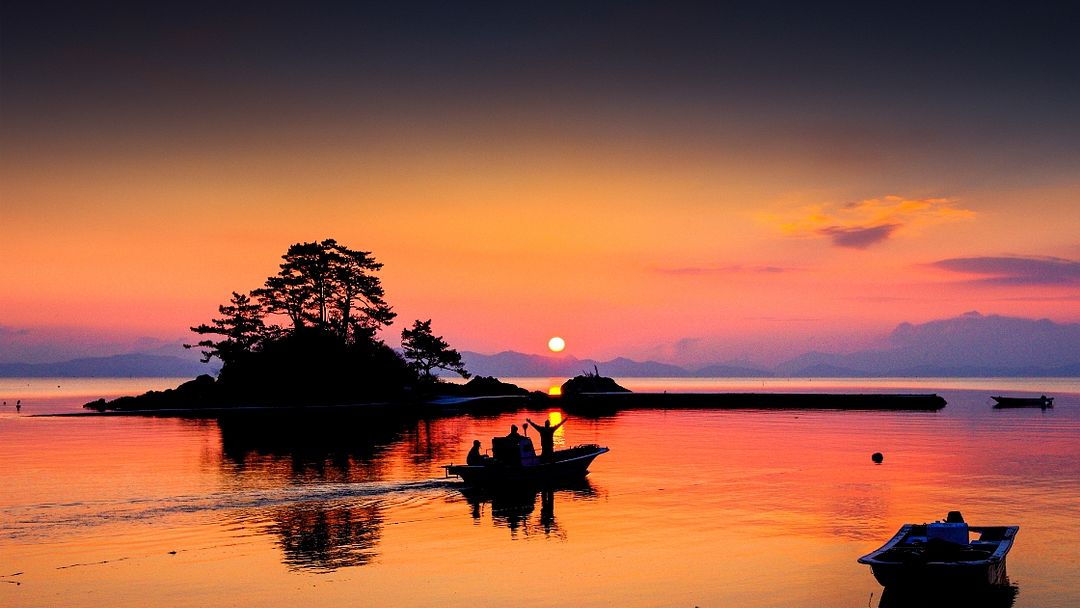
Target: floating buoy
x,y
877,457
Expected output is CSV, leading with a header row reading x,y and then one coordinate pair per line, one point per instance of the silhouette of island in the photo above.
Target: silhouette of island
x,y
307,366
308,337
484,386
591,382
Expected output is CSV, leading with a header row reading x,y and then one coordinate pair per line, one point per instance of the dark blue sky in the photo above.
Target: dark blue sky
x,y
1010,61
963,81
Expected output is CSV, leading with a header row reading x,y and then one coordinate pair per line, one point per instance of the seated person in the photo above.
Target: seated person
x,y
514,432
475,457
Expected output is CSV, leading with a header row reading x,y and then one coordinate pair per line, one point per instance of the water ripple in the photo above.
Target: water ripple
x,y
35,519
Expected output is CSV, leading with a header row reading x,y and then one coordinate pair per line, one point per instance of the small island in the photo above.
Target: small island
x,y
309,338
591,382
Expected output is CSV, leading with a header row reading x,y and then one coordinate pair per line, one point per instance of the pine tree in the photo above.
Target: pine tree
x,y
426,352
242,326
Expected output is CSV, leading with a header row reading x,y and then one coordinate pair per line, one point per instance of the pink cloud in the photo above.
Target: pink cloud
x,y
1015,270
869,222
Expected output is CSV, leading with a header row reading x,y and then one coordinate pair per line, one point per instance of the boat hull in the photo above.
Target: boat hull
x,y
989,596
941,576
911,560
568,465
1010,402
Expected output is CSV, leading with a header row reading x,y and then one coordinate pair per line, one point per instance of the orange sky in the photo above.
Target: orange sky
x,y
619,256
624,218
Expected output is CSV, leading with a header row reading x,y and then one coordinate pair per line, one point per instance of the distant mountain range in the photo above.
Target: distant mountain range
x,y
514,364
971,345
511,364
115,366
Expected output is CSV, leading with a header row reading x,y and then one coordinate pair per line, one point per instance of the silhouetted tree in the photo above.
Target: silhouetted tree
x,y
425,352
357,295
327,351
330,287
241,324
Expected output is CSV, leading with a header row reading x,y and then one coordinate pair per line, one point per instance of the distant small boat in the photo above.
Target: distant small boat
x,y
941,555
1043,402
515,462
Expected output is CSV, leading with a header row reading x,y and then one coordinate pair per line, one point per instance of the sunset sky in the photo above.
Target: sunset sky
x,y
673,181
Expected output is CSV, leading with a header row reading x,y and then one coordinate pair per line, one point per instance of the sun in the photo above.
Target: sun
x,y
556,344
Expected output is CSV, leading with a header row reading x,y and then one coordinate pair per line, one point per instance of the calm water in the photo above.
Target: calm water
x,y
727,508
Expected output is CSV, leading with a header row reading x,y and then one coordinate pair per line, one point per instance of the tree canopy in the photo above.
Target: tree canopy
x,y
426,352
241,324
310,334
321,285
328,286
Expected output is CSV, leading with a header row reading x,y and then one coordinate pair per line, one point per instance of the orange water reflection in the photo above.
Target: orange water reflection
x,y
514,508
688,508
325,537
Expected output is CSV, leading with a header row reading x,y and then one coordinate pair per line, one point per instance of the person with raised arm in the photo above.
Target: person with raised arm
x,y
547,437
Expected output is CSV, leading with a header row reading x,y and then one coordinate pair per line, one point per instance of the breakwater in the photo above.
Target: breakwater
x,y
602,403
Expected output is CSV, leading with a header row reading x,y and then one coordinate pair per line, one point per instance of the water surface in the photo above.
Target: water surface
x,y
706,508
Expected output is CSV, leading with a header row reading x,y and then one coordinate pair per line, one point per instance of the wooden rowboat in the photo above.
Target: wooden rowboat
x,y
940,555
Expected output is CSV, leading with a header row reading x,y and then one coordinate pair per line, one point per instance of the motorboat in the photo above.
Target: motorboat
x,y
943,555
1004,402
514,460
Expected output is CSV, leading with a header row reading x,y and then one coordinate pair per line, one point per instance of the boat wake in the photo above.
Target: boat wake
x,y
247,505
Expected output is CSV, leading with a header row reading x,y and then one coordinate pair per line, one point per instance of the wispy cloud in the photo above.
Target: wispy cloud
x,y
859,238
1015,270
1061,298
862,224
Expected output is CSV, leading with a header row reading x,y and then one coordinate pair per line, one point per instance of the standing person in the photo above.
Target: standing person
x,y
18,405
547,437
